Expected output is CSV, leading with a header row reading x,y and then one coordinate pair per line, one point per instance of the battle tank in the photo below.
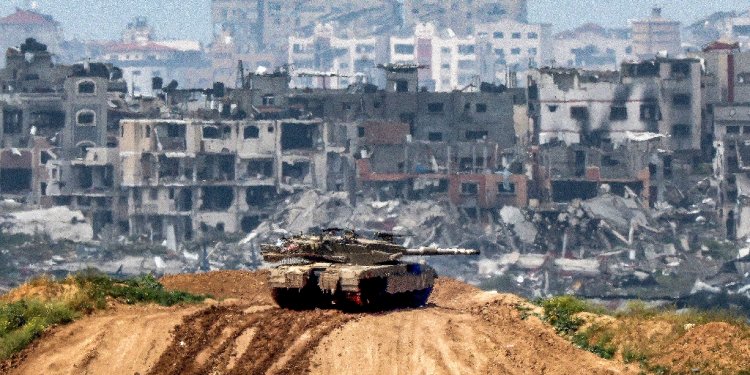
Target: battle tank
x,y
349,271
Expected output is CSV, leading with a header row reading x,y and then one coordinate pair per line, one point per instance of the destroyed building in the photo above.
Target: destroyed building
x,y
53,116
182,177
657,96
727,97
410,142
579,172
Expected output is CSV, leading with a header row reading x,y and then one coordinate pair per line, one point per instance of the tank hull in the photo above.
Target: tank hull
x,y
352,286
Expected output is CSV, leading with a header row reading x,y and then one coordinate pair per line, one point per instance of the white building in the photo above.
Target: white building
x,y
593,47
656,35
143,58
448,62
510,48
497,53
323,60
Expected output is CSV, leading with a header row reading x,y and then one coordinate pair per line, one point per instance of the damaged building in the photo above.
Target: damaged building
x,y
579,172
182,177
637,128
657,96
52,115
413,143
727,97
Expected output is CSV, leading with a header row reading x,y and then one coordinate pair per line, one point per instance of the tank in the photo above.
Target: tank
x,y
340,268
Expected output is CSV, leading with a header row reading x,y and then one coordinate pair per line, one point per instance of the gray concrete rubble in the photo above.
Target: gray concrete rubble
x,y
523,229
421,223
609,246
59,223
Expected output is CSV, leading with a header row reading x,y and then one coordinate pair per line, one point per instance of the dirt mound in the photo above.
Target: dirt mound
x,y
464,330
250,287
714,348
451,292
125,340
42,290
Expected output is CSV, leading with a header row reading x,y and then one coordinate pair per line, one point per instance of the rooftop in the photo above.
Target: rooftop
x,y
722,45
593,28
28,17
138,47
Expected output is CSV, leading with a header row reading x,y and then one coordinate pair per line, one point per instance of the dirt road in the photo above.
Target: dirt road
x,y
463,331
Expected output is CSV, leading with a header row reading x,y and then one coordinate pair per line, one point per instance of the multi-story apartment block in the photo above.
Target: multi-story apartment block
x,y
447,61
498,53
413,143
181,177
593,47
324,60
257,31
654,35
658,96
57,136
224,164
462,15
726,96
508,48
245,28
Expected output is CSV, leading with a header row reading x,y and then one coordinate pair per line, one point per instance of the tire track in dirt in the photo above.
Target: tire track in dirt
x,y
216,334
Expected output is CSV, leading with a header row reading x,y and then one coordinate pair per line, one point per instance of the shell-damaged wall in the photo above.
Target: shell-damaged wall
x,y
579,107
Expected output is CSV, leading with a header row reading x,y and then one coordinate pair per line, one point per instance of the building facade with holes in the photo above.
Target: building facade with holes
x,y
661,96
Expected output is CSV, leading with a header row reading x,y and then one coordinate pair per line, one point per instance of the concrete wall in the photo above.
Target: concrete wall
x,y
585,107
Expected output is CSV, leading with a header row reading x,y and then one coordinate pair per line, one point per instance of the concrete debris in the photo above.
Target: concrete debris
x,y
588,267
743,253
59,223
523,229
488,267
512,215
421,223
522,261
700,286
129,265
10,204
620,213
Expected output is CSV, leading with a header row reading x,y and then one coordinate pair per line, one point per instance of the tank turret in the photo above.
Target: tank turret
x,y
350,271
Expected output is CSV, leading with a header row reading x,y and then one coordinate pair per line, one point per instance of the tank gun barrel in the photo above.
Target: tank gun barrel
x,y
438,251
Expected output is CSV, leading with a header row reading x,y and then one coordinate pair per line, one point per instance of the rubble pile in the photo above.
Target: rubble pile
x,y
610,247
421,223
59,223
615,247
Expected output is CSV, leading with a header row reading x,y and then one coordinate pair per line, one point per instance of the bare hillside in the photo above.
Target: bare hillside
x,y
463,331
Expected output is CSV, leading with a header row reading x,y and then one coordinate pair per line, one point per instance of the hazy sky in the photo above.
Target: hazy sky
x,y
191,18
